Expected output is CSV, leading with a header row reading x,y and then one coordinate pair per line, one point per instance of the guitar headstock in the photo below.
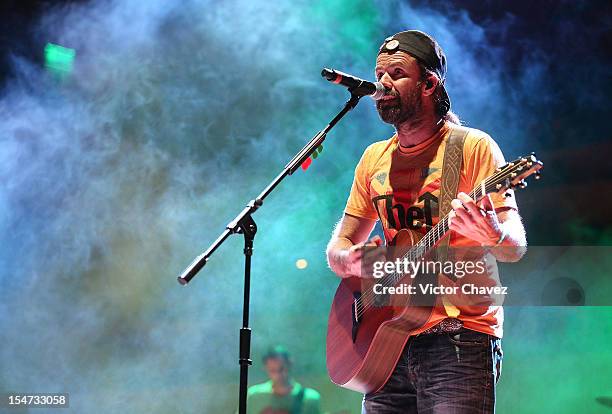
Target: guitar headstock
x,y
514,174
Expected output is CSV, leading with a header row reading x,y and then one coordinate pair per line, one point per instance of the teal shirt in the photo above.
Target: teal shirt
x,y
261,400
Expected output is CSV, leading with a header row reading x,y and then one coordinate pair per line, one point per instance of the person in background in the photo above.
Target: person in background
x,y
281,394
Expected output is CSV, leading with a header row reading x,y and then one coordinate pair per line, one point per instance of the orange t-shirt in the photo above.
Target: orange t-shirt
x,y
401,186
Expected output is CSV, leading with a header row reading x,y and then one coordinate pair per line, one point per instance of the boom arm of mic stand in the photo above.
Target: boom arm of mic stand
x,y
235,225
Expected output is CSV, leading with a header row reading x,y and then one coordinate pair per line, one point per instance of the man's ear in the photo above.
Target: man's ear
x,y
431,83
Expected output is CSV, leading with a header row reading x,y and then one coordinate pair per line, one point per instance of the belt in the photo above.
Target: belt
x,y
448,325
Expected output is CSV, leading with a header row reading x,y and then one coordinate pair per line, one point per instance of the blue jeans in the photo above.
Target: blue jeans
x,y
442,374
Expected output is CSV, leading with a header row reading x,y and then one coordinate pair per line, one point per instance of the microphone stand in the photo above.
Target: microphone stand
x,y
244,224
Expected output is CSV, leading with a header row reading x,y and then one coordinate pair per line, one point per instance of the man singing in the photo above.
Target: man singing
x,y
452,363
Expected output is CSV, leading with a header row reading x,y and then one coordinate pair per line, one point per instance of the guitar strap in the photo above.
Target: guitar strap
x,y
451,172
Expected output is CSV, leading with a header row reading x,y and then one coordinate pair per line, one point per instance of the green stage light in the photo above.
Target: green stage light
x,y
58,59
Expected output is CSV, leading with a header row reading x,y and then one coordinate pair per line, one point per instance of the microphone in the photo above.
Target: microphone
x,y
356,86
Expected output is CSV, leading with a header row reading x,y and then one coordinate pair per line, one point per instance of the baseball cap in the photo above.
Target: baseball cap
x,y
426,50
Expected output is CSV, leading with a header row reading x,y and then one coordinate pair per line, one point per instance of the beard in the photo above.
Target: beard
x,y
400,110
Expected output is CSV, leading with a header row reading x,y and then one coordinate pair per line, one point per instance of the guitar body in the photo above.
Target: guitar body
x,y
364,360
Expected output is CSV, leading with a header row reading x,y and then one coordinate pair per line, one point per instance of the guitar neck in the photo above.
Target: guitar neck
x,y
511,175
438,231
433,236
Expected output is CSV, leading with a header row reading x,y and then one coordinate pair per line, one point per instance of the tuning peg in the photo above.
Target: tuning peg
x,y
522,184
538,175
512,175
